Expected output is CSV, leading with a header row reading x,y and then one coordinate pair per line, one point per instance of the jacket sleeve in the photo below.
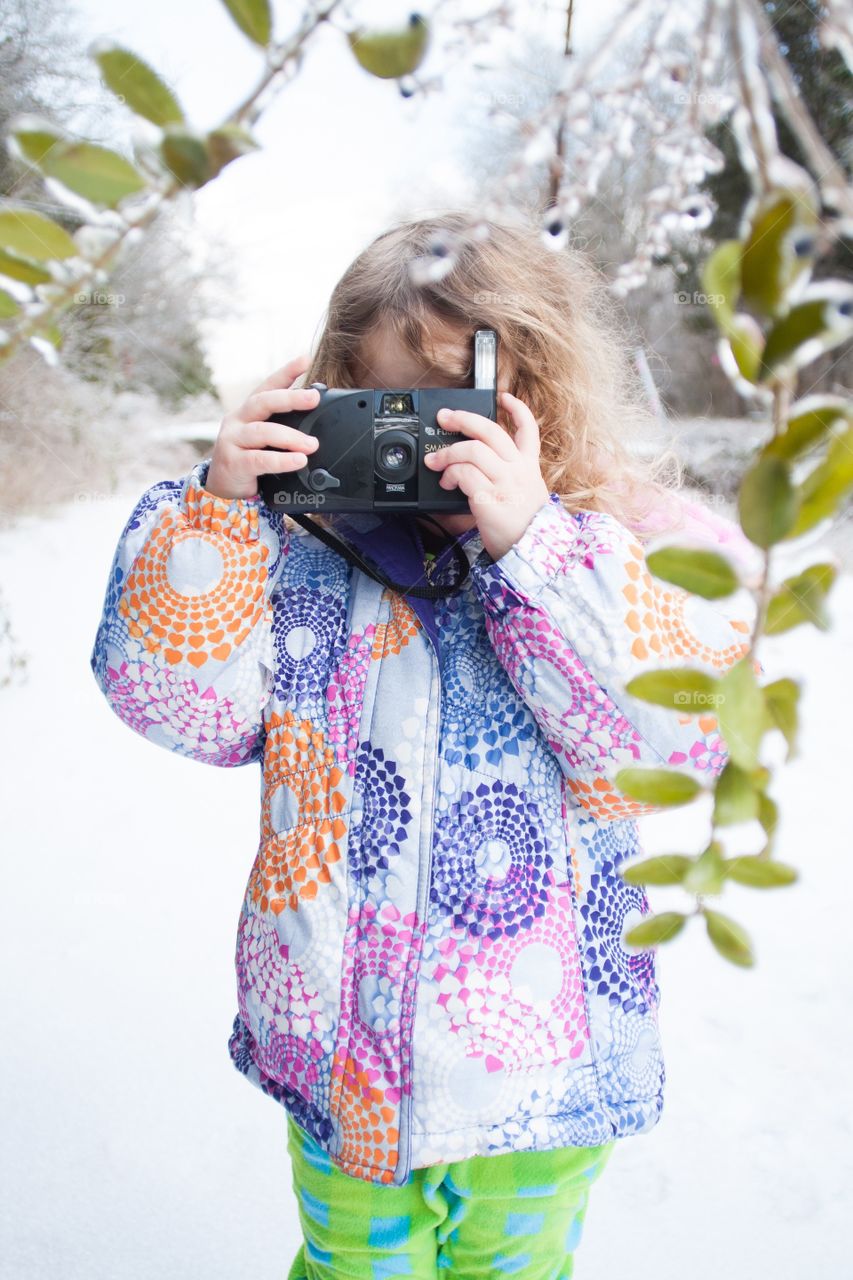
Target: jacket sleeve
x,y
573,613
183,650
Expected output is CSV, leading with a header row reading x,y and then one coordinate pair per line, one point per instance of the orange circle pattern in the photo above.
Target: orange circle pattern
x,y
193,628
657,619
293,864
393,636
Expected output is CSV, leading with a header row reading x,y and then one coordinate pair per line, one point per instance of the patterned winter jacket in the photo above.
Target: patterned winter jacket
x,y
429,956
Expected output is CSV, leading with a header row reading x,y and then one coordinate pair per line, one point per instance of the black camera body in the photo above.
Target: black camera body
x,y
372,445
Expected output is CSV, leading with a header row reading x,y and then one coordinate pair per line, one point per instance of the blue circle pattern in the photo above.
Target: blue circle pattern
x,y
314,569
475,693
494,810
620,976
302,681
374,841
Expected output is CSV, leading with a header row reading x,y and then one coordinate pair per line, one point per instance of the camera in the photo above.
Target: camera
x,y
372,445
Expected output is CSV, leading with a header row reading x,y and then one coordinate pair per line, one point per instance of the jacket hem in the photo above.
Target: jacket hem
x,y
604,1127
584,1127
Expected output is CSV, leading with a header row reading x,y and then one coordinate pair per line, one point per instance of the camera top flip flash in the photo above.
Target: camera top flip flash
x,y
485,358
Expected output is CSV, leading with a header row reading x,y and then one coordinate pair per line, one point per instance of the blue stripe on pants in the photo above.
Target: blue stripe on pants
x,y
517,1214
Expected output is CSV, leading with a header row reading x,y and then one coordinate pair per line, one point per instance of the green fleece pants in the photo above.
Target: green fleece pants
x,y
518,1214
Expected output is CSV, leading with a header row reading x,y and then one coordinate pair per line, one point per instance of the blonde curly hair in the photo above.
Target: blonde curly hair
x,y
564,348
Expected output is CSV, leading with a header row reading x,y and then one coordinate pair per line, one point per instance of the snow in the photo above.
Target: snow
x,y
132,1148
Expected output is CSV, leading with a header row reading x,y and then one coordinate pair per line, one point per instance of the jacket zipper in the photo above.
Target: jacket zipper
x,y
422,909
423,895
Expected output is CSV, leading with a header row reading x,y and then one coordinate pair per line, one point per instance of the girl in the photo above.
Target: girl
x,y
431,978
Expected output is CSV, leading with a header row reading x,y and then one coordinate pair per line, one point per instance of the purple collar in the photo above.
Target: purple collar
x,y
393,542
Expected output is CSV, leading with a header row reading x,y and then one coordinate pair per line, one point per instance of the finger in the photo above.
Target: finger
x,y
476,451
262,403
475,425
251,435
267,461
526,437
467,477
285,376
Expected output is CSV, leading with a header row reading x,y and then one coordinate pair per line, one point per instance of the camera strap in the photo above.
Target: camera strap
x,y
429,592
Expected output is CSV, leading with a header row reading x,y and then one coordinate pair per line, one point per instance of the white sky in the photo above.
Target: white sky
x,y
343,155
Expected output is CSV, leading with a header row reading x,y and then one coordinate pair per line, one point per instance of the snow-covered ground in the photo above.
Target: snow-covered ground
x,y
132,1148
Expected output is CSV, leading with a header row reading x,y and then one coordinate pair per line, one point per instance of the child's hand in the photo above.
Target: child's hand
x,y
238,457
498,473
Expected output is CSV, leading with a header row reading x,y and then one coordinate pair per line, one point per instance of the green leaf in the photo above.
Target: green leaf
x,y
768,816
667,869
706,875
391,54
137,84
22,269
682,688
656,929
226,144
767,501
810,420
778,250
742,339
781,698
760,873
185,156
705,573
657,786
741,713
731,939
253,17
735,796
747,344
98,174
721,281
8,305
94,172
823,489
801,599
823,320
36,139
33,236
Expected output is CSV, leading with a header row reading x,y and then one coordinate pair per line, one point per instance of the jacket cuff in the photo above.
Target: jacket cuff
x,y
236,517
545,547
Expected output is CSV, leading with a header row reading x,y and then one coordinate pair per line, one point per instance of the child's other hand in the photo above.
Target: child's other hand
x,y
497,472
238,455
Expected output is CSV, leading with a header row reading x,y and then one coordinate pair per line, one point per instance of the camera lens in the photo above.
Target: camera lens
x,y
394,455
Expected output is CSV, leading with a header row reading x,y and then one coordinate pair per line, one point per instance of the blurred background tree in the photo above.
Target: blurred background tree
x,y
142,333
